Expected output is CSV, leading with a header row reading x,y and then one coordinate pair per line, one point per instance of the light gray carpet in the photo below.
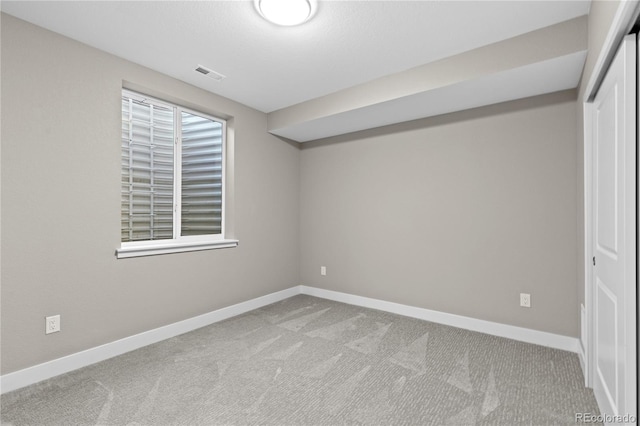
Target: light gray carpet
x,y
316,362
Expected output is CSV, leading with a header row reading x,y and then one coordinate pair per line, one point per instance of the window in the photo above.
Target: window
x,y
173,166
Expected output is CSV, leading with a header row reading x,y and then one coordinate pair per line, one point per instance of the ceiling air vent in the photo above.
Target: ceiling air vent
x,y
210,73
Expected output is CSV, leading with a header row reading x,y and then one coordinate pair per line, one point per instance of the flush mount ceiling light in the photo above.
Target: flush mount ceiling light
x,y
286,12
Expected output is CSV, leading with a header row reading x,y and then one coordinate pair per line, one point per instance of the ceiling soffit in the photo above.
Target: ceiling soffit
x,y
542,61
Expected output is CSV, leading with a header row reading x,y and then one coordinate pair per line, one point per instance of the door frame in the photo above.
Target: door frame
x,y
625,17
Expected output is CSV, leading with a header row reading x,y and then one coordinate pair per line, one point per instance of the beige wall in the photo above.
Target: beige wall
x,y
458,213
61,205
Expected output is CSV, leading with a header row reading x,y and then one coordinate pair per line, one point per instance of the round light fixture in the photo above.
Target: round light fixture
x,y
286,12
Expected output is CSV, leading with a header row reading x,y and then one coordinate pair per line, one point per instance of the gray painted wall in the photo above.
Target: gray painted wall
x,y
458,213
61,205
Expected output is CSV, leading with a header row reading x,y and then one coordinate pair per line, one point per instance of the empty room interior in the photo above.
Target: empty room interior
x,y
343,212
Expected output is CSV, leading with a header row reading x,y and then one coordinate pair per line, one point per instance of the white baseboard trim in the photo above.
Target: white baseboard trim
x,y
47,370
527,335
40,372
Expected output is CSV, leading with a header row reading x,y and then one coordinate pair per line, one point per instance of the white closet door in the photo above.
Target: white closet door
x,y
614,139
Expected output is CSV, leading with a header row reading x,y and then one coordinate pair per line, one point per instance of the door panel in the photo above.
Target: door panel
x,y
607,348
607,140
613,133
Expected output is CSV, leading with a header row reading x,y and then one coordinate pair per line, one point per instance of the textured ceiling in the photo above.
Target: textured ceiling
x,y
268,67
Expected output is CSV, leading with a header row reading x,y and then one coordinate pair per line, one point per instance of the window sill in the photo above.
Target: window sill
x,y
181,247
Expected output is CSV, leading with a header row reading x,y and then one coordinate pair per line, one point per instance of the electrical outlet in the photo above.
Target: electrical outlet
x,y
323,270
52,324
525,300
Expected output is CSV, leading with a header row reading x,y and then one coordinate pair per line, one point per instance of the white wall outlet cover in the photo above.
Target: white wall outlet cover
x,y
525,300
52,324
323,270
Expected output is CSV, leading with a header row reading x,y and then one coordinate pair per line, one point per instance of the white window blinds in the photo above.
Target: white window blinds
x,y
201,175
172,171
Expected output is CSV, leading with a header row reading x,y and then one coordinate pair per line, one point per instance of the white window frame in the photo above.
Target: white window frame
x,y
180,243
